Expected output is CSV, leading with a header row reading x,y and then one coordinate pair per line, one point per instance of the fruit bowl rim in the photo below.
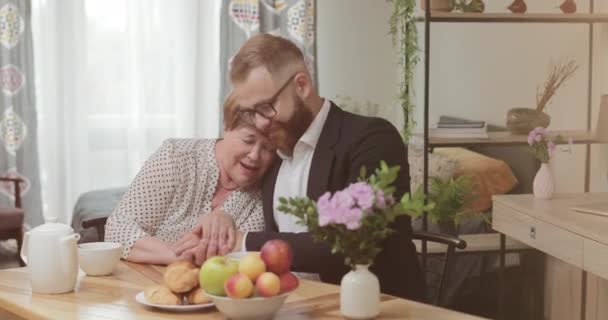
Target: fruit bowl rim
x,y
257,298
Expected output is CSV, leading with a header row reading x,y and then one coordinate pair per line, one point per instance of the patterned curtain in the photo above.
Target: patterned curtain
x,y
18,150
292,19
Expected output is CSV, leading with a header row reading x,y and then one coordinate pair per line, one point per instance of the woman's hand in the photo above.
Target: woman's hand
x,y
217,235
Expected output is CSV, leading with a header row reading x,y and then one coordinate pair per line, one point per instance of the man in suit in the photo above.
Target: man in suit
x,y
321,148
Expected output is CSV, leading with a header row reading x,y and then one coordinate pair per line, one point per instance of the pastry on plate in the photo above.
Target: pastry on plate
x,y
197,296
162,295
181,277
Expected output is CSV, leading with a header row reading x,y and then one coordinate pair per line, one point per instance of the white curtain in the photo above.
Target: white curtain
x,y
114,79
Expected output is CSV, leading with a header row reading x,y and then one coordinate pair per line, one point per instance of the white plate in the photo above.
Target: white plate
x,y
188,307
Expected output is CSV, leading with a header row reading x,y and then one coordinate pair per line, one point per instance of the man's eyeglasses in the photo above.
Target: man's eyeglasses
x,y
265,108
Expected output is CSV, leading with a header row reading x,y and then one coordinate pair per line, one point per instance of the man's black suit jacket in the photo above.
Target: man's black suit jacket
x,y
347,142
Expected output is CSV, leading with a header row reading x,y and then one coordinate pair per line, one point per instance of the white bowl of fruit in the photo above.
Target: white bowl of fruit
x,y
250,285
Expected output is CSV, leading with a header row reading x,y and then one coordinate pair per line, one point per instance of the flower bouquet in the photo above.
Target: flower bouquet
x,y
354,221
542,147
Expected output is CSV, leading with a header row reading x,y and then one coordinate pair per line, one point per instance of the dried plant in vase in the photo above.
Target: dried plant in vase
x,y
559,73
523,120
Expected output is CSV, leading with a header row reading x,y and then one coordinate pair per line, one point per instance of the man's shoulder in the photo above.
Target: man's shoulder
x,y
355,126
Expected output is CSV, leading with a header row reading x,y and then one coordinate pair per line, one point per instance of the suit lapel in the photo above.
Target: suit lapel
x,y
324,155
268,195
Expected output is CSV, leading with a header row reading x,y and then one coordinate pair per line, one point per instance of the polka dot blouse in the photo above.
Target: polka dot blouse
x,y
174,187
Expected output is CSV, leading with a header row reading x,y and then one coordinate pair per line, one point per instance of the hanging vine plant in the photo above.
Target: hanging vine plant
x,y
404,34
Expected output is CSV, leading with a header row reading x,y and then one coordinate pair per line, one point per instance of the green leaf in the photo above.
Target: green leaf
x,y
362,172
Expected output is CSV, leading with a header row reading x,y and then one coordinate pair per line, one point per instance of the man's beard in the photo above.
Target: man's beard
x,y
287,135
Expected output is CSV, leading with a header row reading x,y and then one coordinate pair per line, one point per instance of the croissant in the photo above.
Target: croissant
x,y
181,276
197,296
162,295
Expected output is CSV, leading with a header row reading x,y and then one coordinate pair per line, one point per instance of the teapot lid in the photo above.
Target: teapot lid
x,y
51,226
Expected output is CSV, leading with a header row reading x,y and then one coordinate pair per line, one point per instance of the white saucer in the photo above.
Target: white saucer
x,y
182,308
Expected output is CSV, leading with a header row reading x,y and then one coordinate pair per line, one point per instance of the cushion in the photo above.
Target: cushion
x,y
440,166
94,204
491,176
11,218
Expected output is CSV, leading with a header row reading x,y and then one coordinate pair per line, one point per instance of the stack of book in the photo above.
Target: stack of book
x,y
450,127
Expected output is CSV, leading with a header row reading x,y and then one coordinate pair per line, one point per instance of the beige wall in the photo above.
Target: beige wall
x,y
478,71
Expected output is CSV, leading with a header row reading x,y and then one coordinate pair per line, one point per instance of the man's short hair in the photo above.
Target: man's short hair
x,y
274,53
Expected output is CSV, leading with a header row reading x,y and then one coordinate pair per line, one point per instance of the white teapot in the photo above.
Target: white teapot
x,y
51,253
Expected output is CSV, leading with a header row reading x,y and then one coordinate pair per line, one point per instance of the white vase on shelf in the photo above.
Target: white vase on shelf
x,y
360,294
544,183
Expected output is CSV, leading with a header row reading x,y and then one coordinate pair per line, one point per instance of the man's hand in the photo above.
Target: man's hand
x,y
217,235
187,241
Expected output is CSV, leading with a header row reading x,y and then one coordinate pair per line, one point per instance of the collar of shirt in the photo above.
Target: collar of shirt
x,y
312,134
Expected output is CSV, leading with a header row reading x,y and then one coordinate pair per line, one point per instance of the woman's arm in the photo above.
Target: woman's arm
x,y
152,250
144,208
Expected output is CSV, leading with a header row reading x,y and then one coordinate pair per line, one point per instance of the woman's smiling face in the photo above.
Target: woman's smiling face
x,y
247,155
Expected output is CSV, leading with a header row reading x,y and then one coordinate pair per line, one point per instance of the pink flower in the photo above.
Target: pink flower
x,y
536,135
531,138
363,194
324,207
343,200
339,209
353,219
380,200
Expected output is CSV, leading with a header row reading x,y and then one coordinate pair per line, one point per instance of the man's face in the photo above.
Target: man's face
x,y
292,116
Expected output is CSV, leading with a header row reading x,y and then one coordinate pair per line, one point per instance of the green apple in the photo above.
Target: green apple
x,y
214,273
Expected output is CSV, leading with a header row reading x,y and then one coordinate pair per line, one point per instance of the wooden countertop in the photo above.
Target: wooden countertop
x,y
558,212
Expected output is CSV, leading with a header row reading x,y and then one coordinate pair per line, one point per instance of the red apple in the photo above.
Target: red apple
x,y
268,284
277,256
289,282
238,286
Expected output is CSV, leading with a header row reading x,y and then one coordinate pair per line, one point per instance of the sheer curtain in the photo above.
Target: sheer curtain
x,y
114,79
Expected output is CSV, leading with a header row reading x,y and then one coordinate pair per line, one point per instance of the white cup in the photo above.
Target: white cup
x,y
99,258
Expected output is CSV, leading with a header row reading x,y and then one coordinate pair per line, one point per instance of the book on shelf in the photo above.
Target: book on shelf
x,y
452,122
463,132
438,133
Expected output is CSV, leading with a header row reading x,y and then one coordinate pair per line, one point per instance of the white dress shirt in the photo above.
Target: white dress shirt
x,y
292,179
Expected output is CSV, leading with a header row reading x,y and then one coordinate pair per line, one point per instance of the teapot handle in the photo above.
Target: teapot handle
x,y
24,247
66,242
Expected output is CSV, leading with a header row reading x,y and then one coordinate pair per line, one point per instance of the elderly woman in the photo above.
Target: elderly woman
x,y
194,190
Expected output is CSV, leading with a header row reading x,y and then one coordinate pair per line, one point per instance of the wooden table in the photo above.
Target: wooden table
x,y
113,297
575,243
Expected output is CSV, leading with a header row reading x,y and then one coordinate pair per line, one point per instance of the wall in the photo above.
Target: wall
x,y
355,56
478,71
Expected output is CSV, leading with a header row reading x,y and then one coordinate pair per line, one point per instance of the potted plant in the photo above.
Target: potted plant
x,y
477,6
523,120
451,200
402,29
438,5
354,221
543,148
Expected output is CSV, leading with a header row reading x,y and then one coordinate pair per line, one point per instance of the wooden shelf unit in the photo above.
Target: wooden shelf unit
x,y
505,138
438,16
483,242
